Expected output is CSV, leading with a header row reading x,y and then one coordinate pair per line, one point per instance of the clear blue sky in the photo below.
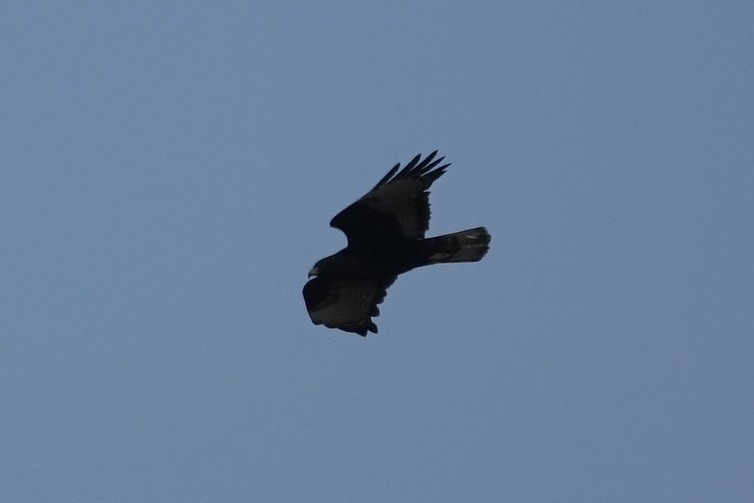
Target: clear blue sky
x,y
167,174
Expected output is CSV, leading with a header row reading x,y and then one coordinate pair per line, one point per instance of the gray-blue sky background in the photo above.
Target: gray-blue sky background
x,y
167,174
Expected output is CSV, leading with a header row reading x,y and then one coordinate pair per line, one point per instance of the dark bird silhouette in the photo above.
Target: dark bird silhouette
x,y
385,231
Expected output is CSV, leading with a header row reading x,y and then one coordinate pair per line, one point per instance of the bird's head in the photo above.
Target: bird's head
x,y
331,266
314,271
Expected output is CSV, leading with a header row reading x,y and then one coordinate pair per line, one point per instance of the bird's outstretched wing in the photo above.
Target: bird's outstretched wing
x,y
396,208
347,304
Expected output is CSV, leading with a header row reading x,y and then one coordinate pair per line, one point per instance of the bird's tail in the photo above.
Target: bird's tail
x,y
464,246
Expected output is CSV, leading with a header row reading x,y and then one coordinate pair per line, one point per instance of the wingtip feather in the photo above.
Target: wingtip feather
x,y
417,166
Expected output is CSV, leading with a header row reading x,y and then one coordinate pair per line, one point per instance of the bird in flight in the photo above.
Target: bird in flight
x,y
385,230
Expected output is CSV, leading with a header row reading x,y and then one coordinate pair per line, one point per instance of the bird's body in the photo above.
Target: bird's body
x,y
385,230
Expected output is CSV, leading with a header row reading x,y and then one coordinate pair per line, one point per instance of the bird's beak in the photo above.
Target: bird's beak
x,y
313,272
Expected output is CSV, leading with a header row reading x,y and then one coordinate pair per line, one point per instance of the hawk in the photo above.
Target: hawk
x,y
385,230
